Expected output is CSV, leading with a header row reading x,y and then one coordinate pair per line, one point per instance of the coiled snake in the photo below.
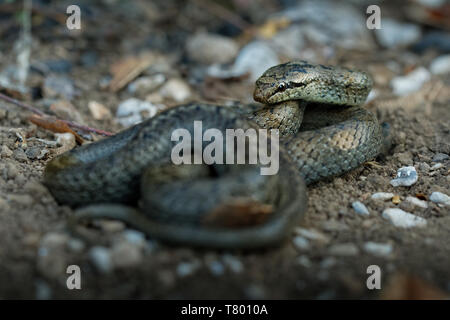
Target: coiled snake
x,y
324,132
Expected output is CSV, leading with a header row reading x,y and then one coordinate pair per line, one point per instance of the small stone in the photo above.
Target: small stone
x,y
436,166
3,114
304,261
216,267
145,85
440,157
233,263
134,237
402,219
11,170
382,196
312,234
111,226
6,152
20,155
360,208
300,243
76,245
417,202
333,225
99,111
54,240
440,198
412,82
406,176
440,65
405,158
328,262
58,87
344,249
423,166
176,90
255,58
185,269
35,153
395,34
101,258
129,111
211,48
126,255
378,249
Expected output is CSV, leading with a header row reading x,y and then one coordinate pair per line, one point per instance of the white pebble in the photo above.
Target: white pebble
x,y
101,258
440,65
360,208
413,81
129,111
396,34
378,249
382,196
304,261
402,219
216,267
406,176
176,90
417,202
311,234
441,198
233,263
437,166
185,269
301,243
134,237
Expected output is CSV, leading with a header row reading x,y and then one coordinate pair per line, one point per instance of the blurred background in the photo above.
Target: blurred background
x,y
130,60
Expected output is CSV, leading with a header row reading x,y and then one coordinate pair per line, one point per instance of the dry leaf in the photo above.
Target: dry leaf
x,y
407,287
54,125
129,68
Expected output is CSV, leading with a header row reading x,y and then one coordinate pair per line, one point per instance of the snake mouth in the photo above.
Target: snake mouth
x,y
259,96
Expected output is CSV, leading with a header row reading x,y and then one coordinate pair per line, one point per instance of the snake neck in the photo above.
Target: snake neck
x,y
285,116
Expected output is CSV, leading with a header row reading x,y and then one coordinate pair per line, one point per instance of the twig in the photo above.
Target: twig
x,y
42,114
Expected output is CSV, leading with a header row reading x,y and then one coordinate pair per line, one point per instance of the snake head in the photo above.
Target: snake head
x,y
300,80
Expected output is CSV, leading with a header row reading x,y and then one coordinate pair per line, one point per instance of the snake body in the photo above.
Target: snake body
x,y
324,132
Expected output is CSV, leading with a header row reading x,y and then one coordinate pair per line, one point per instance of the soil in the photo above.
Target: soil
x,y
32,266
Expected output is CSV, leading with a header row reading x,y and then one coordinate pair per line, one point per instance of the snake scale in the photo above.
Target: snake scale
x,y
324,131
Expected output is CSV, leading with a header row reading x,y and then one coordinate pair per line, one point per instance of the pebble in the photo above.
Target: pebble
x,y
402,219
58,66
185,269
99,111
216,267
312,234
129,111
382,196
378,249
101,258
412,82
6,152
436,166
440,65
333,225
126,255
111,226
209,48
290,42
147,84
406,176
11,170
425,167
395,34
54,240
20,155
75,245
58,87
36,153
405,158
360,208
176,89
301,243
255,58
417,202
328,262
344,249
134,237
304,261
440,198
439,157
233,263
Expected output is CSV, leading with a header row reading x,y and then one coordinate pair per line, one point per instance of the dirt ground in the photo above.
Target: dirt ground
x,y
36,249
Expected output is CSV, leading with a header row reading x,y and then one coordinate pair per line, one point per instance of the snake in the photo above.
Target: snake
x,y
317,125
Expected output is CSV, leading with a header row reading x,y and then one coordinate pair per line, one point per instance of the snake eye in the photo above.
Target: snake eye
x,y
281,87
